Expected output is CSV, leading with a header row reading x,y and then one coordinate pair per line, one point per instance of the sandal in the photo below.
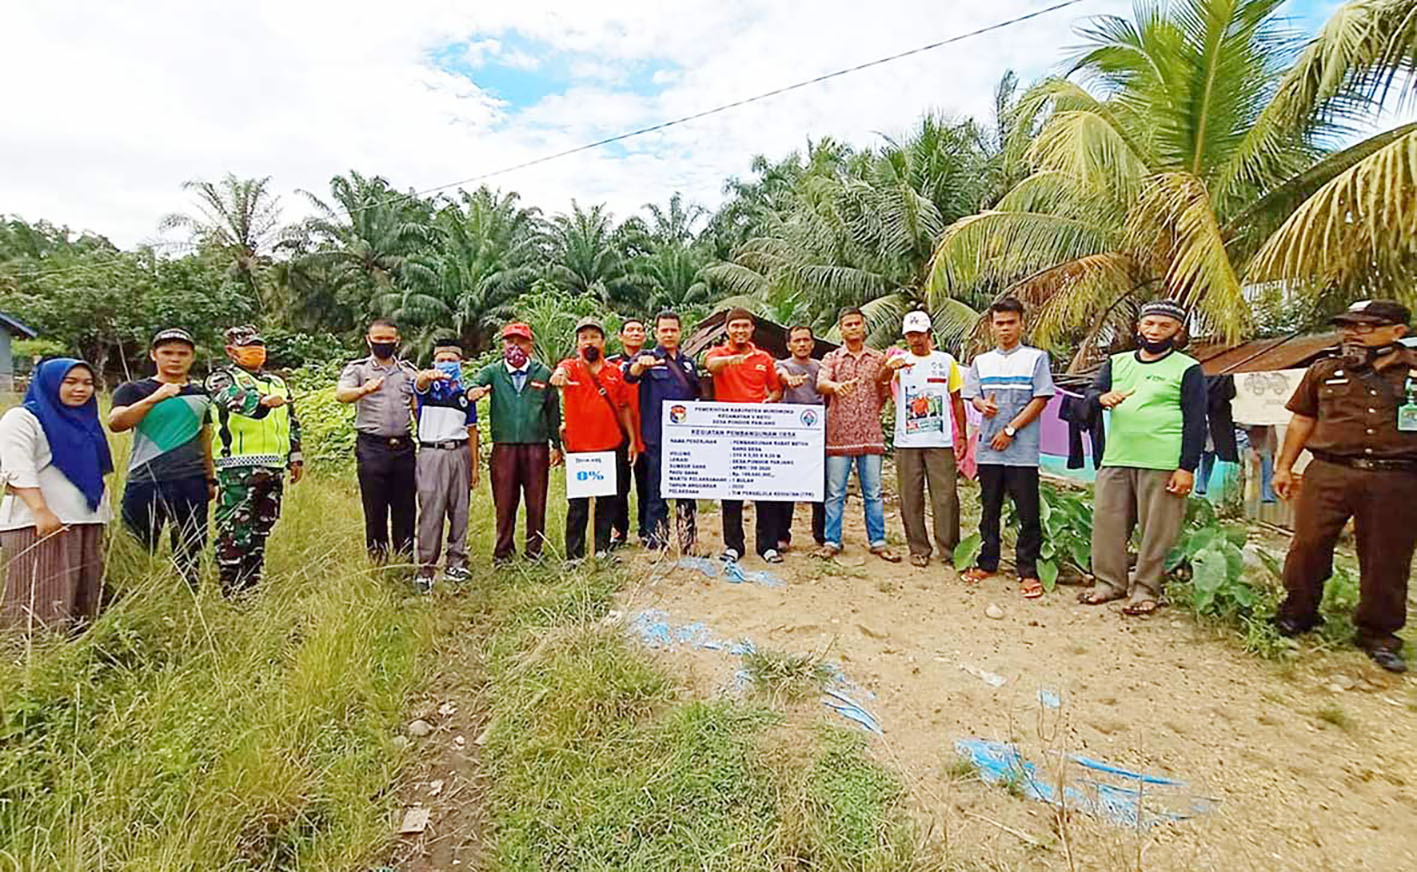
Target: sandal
x,y
826,552
1095,597
975,574
919,560
1141,609
886,554
1030,588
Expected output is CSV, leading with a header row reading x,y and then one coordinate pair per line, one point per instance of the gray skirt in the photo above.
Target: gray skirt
x,y
51,583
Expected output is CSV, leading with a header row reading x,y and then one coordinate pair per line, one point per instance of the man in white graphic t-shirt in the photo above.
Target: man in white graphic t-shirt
x,y
929,437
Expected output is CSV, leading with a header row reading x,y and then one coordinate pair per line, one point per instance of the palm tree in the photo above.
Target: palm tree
x,y
239,218
1186,155
490,253
586,255
368,245
861,229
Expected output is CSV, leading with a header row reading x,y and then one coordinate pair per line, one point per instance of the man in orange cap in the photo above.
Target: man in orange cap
x,y
526,438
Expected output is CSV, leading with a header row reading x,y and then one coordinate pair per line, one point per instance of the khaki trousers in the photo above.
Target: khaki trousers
x,y
443,476
1125,497
915,468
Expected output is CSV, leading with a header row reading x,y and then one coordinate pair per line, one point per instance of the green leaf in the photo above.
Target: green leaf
x,y
1047,551
1236,535
1045,511
967,551
1082,554
1208,576
1234,560
1048,574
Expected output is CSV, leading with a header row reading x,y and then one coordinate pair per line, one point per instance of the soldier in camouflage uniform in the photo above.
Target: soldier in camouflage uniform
x,y
258,437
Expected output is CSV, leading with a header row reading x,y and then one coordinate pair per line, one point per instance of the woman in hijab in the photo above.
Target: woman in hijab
x,y
53,457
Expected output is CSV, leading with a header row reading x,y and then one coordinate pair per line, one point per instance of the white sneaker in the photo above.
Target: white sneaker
x,y
772,556
729,556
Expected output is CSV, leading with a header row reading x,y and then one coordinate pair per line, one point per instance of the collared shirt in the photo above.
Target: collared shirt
x,y
386,412
518,374
676,380
748,382
530,416
1013,379
854,420
807,393
618,360
444,413
592,419
1356,410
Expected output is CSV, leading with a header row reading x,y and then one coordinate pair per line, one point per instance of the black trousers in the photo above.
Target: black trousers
x,y
606,509
767,524
179,504
819,522
1021,484
621,520
387,471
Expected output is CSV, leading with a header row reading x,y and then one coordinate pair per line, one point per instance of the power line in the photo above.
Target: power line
x,y
685,119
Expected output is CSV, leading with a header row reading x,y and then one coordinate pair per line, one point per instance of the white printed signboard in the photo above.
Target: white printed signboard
x,y
743,451
590,474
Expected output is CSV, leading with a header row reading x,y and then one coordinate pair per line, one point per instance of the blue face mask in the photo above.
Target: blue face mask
x,y
451,368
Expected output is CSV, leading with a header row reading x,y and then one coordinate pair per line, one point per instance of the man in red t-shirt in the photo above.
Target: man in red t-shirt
x,y
597,418
744,373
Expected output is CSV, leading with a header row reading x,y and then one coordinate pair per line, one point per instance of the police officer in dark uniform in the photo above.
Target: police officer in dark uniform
x,y
1357,415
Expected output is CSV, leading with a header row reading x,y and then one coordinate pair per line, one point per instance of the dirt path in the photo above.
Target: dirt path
x,y
1311,764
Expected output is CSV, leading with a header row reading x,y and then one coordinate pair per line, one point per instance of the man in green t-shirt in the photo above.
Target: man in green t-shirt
x,y
1155,436
170,476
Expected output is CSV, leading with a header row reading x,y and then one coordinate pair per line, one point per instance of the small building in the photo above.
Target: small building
x,y
10,328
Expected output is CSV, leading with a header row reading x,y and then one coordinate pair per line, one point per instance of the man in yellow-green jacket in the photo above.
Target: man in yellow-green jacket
x,y
257,439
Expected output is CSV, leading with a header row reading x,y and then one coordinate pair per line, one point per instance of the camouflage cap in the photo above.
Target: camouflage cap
x,y
244,335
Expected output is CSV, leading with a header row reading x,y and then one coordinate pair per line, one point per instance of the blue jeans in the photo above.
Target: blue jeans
x,y
178,504
868,472
1203,472
1267,478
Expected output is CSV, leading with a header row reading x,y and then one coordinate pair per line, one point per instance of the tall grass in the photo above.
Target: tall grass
x,y
183,731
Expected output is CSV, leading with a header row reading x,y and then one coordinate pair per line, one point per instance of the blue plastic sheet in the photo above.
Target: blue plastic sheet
x,y
1122,796
652,627
731,571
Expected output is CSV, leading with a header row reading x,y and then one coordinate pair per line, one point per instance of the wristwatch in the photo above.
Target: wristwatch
x,y
1010,432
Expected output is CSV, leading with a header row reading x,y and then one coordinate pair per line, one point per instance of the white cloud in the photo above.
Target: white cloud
x,y
118,104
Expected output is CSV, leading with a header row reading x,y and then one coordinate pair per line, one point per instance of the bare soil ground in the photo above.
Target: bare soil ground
x,y
1311,762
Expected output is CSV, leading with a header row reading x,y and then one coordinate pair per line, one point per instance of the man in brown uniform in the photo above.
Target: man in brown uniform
x,y
1357,415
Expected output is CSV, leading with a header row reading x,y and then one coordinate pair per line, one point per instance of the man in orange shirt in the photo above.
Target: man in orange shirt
x,y
597,418
744,373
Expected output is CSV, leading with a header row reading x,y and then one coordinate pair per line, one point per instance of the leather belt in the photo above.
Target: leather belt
x,y
386,441
1371,464
446,445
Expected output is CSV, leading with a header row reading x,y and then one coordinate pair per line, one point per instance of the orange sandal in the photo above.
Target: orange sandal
x,y
1031,588
974,575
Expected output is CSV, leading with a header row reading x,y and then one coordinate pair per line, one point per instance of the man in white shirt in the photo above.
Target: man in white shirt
x,y
929,437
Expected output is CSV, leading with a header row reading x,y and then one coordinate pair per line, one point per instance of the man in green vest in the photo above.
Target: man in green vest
x,y
526,439
1155,437
257,439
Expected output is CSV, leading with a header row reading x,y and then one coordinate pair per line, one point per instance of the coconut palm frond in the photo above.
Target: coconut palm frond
x,y
1003,246
1356,230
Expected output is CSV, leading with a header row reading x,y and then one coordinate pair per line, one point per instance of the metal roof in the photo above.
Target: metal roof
x,y
17,326
1263,355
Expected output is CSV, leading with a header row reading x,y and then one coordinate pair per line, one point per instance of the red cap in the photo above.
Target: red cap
x,y
518,328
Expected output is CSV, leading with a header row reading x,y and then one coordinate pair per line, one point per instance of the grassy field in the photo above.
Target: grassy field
x,y
186,732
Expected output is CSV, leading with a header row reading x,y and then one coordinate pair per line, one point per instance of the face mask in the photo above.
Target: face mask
x,y
514,356
249,356
590,353
383,350
1159,347
1360,356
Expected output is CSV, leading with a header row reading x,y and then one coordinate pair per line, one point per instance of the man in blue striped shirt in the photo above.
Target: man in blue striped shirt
x,y
1009,386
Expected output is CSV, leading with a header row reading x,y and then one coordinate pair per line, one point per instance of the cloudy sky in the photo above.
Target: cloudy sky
x,y
110,106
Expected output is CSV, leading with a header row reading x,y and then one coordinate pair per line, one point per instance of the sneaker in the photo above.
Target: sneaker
x,y
772,556
456,574
729,555
423,584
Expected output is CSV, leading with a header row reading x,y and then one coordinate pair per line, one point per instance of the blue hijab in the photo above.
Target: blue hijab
x,y
76,438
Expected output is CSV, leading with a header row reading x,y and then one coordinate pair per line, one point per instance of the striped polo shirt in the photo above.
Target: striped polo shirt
x,y
1012,378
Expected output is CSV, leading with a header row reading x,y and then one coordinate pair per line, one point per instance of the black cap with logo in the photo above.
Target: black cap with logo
x,y
173,334
1379,313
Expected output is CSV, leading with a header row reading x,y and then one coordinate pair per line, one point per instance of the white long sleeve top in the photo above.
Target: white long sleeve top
x,y
25,461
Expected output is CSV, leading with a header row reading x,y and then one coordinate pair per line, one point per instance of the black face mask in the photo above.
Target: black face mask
x,y
1359,356
590,353
1160,347
383,350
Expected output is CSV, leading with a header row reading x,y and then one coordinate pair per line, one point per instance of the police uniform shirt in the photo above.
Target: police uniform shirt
x,y
1356,410
384,413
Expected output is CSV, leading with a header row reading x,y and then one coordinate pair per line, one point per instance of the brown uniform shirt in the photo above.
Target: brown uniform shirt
x,y
1357,411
